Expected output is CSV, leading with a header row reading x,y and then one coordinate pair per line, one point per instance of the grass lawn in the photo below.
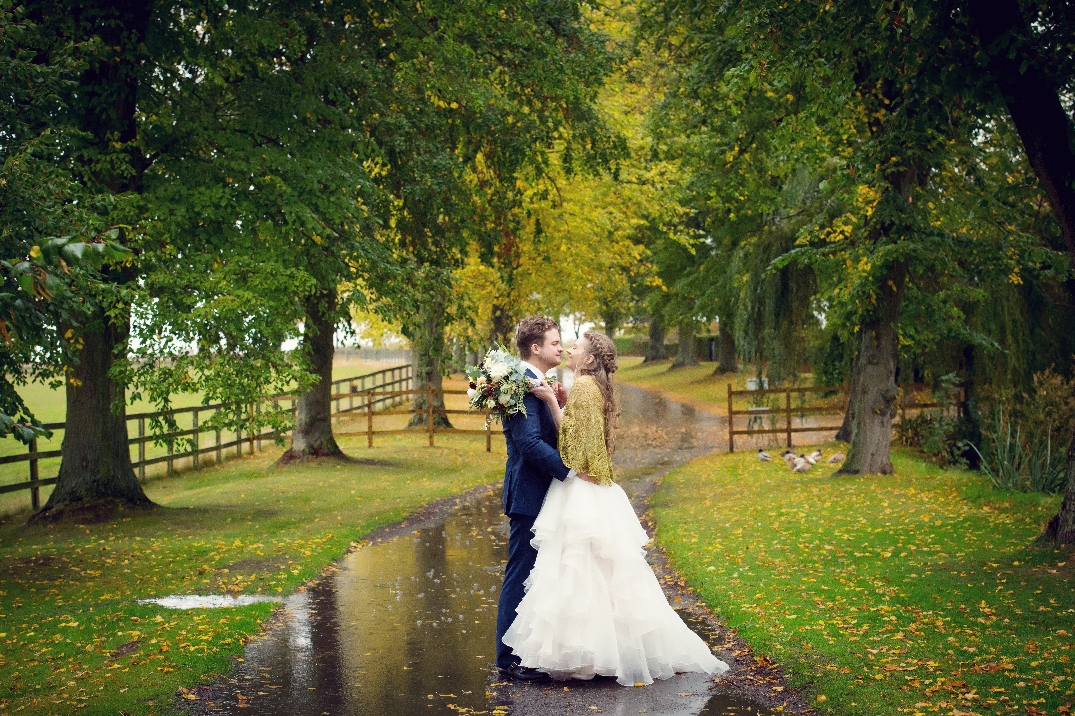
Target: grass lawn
x,y
912,593
50,406
74,639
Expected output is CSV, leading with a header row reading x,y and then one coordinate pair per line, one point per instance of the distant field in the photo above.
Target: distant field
x,y
50,406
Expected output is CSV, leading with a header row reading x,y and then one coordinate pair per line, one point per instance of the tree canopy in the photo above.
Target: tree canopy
x,y
873,194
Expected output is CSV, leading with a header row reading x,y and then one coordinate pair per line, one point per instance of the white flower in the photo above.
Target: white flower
x,y
490,403
498,371
481,379
505,399
471,392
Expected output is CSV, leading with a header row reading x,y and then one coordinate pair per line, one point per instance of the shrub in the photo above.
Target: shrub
x,y
631,345
1022,462
944,438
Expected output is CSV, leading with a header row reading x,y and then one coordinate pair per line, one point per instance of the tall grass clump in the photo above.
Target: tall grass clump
x,y
1024,443
1019,462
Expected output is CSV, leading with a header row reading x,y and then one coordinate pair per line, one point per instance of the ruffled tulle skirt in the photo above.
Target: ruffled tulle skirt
x,y
593,605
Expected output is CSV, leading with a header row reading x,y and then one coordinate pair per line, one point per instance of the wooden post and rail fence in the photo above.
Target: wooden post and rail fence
x,y
377,394
906,401
374,394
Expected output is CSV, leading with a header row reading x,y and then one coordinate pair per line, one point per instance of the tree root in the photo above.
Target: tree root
x,y
88,513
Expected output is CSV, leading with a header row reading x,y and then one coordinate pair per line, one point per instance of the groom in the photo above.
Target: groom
x,y
533,462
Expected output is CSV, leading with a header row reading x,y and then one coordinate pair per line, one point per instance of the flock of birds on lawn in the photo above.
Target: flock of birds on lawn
x,y
802,462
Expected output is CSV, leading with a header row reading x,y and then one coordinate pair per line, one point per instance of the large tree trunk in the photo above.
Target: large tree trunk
x,y
655,349
428,350
313,436
1048,136
844,433
875,395
95,465
725,350
1046,130
968,408
1061,527
459,356
687,353
96,473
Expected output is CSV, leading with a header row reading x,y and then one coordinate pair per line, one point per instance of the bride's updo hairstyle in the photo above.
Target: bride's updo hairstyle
x,y
603,351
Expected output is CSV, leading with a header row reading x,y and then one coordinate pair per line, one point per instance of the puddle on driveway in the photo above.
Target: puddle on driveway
x,y
209,601
408,626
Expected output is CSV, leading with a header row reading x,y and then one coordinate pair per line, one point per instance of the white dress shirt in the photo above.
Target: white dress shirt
x,y
530,366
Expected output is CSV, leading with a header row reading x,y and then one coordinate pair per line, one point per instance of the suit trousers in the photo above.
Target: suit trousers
x,y
521,558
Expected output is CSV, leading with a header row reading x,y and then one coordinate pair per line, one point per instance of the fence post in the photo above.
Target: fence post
x,y
171,451
787,407
249,429
257,410
351,396
141,449
275,410
488,437
35,491
429,411
238,437
197,443
369,417
731,422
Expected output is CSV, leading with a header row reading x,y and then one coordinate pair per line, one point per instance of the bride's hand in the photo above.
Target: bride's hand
x,y
543,392
586,476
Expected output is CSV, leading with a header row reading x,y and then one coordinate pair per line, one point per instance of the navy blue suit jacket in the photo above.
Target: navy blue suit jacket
x,y
533,460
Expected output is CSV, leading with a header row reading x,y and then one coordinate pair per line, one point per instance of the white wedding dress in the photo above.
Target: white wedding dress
x,y
593,605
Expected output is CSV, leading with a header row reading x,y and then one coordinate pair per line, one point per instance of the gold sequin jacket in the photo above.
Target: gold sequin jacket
x,y
582,431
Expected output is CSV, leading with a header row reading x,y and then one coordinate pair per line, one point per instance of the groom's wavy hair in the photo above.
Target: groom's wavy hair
x,y
532,329
604,365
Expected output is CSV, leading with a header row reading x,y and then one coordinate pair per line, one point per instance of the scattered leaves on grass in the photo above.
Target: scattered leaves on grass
x,y
915,592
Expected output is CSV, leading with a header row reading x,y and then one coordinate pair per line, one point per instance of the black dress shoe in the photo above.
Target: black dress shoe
x,y
524,673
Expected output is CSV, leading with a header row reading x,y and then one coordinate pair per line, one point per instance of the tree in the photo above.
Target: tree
x,y
219,136
96,463
726,360
46,227
862,100
513,88
1019,52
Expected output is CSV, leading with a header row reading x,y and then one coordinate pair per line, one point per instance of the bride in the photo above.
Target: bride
x,y
592,605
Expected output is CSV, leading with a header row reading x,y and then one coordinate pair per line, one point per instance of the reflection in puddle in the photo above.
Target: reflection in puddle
x,y
209,601
408,626
403,627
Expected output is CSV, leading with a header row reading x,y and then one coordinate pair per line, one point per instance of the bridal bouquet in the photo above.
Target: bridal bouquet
x,y
498,385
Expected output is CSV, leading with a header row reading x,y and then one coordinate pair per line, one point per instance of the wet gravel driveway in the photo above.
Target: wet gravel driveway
x,y
406,624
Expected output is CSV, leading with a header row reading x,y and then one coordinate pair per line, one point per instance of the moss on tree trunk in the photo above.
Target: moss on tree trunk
x,y
429,353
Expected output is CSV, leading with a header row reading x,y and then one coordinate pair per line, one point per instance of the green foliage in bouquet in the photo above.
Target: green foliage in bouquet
x,y
498,384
